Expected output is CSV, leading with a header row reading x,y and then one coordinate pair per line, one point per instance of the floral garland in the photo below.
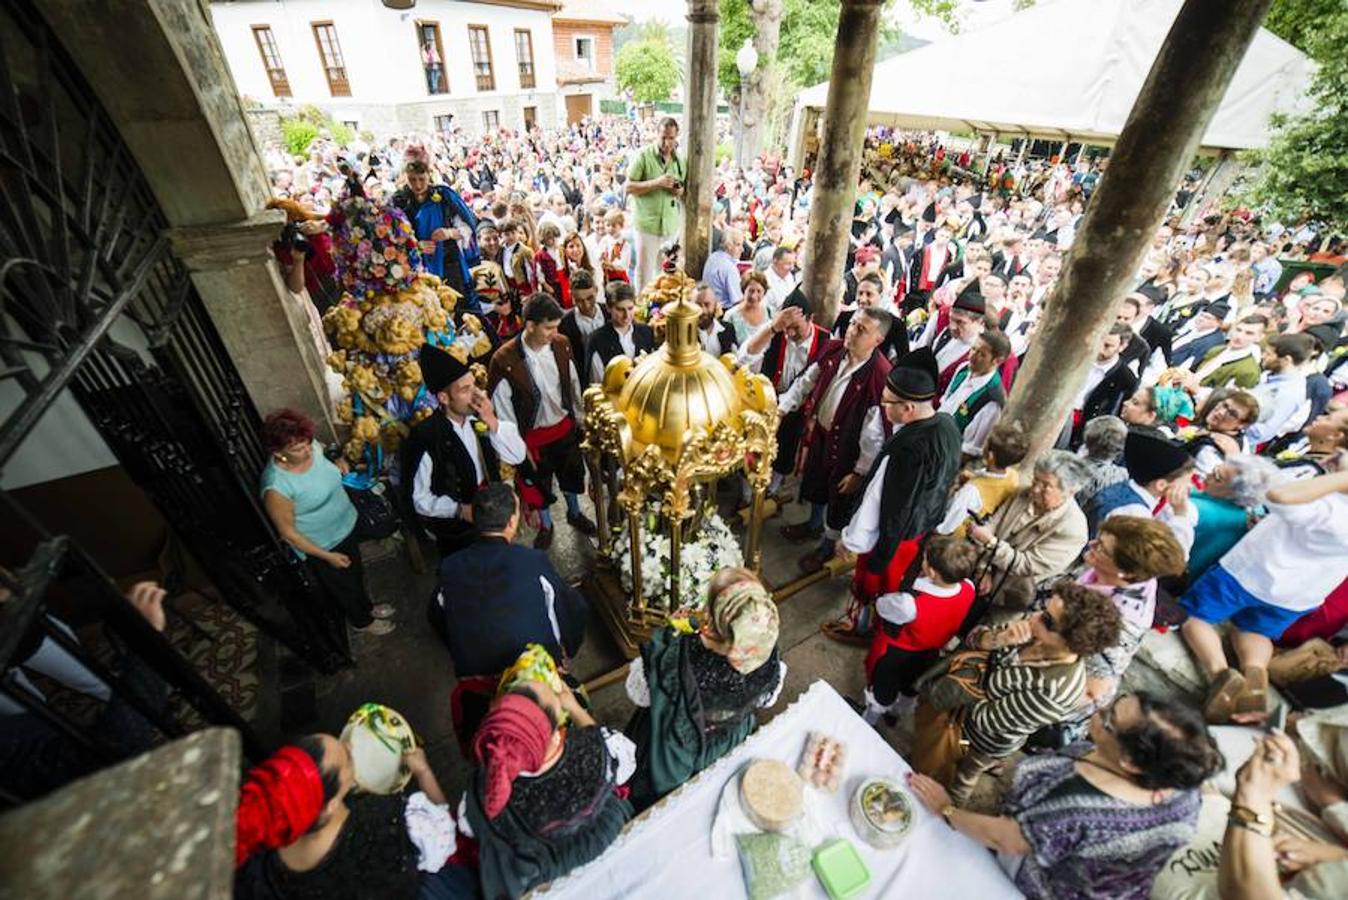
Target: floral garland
x,y
374,246
716,548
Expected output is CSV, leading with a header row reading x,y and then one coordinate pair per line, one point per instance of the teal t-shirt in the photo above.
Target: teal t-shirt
x,y
1220,524
323,512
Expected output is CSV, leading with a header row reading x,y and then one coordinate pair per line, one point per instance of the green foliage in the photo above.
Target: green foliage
x,y
297,134
1298,21
309,123
724,151
1305,167
648,69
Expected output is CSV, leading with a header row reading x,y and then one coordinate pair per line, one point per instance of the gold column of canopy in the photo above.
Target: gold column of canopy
x,y
674,422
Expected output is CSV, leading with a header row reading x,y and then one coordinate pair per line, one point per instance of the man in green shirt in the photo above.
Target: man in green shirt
x,y
655,181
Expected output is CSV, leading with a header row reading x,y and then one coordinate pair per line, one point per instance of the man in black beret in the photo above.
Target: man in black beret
x,y
453,452
905,493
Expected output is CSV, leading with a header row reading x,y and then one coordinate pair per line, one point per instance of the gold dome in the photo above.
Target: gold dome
x,y
679,390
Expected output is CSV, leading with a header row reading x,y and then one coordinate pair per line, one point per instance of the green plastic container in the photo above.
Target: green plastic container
x,y
841,869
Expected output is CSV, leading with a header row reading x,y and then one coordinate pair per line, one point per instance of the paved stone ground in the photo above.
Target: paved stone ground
x,y
411,671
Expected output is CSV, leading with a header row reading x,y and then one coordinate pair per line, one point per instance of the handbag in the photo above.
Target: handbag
x,y
376,518
938,724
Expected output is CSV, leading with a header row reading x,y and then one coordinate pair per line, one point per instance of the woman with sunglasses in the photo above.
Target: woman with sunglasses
x,y
1220,431
1035,676
1100,819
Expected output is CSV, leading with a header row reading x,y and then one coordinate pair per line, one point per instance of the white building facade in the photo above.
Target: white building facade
x,y
475,64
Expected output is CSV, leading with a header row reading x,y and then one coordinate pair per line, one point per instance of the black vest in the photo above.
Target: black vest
x,y
452,472
604,341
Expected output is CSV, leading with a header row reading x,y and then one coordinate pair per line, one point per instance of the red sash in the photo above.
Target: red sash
x,y
535,439
867,585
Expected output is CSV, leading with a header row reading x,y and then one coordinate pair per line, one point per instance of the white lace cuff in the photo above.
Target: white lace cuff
x,y
638,691
431,829
781,683
621,748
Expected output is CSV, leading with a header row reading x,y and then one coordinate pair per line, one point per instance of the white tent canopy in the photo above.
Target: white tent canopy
x,y
1068,69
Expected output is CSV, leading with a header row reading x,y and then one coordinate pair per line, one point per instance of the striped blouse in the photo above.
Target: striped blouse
x,y
1021,699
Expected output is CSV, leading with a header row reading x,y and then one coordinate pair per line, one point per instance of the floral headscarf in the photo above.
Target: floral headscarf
x,y
744,616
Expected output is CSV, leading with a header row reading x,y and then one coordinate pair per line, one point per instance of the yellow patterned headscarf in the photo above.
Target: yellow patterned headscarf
x,y
744,616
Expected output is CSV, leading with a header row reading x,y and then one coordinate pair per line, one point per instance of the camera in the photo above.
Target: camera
x,y
294,240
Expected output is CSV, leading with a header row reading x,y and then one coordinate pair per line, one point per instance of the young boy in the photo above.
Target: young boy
x,y
516,260
1160,473
915,624
615,250
988,486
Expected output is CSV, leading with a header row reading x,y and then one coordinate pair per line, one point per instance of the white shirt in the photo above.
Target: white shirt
x,y
872,439
863,530
629,347
588,325
828,404
951,352
1181,526
505,440
543,369
900,608
980,426
1283,405
1096,375
1296,555
797,358
711,339
779,287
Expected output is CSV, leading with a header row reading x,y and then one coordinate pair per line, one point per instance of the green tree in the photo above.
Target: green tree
x,y
648,69
1305,166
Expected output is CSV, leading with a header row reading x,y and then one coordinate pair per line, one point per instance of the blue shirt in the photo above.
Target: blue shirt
x,y
723,274
323,512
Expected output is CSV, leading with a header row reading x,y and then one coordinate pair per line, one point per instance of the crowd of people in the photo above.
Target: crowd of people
x,y
1200,481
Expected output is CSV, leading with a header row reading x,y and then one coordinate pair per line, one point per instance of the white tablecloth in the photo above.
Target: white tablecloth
x,y
667,852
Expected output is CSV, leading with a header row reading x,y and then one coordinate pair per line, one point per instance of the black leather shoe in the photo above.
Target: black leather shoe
x,y
582,523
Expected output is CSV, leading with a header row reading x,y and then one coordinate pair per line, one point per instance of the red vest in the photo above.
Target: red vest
x,y
938,619
774,358
863,391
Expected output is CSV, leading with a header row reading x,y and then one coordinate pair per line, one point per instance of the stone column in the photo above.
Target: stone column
x,y
1186,82
187,131
267,330
700,140
839,163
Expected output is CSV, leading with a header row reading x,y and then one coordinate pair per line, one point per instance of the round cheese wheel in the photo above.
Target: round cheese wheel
x,y
772,795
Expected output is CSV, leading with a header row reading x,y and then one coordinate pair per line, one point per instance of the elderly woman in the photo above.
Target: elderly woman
x,y
752,312
1035,677
1039,531
303,495
544,798
1102,448
1100,819
697,693
1226,507
1123,562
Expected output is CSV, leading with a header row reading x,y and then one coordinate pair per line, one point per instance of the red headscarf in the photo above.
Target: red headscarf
x,y
278,802
513,738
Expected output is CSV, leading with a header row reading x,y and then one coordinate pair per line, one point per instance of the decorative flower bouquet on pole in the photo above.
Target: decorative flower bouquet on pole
x,y
659,433
389,309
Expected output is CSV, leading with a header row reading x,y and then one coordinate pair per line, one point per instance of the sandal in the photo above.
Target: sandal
x,y
1252,703
1222,696
845,633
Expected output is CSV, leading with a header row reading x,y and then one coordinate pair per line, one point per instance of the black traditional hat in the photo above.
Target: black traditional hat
x,y
1218,309
1151,456
440,369
1157,294
915,376
971,302
797,299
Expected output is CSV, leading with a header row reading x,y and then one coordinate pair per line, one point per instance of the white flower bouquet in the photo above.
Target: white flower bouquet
x,y
706,550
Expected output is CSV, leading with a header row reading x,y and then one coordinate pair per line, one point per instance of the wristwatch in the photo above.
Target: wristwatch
x,y
947,811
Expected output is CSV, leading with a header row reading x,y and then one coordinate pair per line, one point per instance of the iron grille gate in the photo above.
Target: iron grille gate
x,y
92,300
